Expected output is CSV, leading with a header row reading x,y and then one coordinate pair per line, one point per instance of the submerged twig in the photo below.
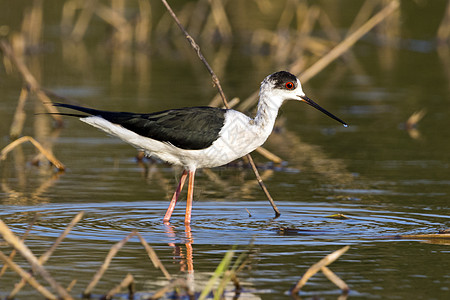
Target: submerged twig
x,y
216,82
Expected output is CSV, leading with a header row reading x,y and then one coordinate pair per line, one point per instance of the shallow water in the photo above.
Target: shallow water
x,y
386,180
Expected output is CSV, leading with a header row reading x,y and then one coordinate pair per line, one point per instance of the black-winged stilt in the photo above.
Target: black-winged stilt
x,y
200,137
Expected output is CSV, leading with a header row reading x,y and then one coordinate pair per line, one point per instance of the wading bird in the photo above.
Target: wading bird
x,y
200,137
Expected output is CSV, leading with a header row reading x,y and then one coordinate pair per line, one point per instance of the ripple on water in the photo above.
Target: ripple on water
x,y
223,222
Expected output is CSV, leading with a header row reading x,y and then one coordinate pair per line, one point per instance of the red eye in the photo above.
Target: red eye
x,y
289,85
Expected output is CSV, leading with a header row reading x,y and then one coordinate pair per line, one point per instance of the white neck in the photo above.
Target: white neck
x,y
266,114
268,106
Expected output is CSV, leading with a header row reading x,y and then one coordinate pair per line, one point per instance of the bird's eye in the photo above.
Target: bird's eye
x,y
289,85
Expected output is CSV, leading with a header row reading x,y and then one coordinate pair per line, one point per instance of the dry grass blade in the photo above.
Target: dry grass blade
x,y
153,257
335,279
69,227
317,266
128,281
105,265
348,42
216,82
12,239
28,277
43,259
14,251
44,151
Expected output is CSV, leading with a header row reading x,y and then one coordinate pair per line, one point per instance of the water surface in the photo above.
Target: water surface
x,y
386,180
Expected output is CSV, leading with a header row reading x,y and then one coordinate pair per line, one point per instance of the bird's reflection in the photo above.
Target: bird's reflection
x,y
186,258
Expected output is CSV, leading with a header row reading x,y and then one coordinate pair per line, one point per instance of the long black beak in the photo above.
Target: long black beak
x,y
318,107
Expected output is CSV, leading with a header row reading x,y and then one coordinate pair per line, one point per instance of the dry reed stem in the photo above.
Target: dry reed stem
x,y
68,15
12,239
348,42
14,251
111,16
220,18
144,24
233,102
28,277
153,257
29,79
422,236
363,14
44,257
335,279
269,155
59,165
317,266
19,116
336,51
82,23
216,82
71,285
112,252
118,21
127,282
32,23
443,33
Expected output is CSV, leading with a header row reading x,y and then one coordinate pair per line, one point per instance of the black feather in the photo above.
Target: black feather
x,y
281,78
190,128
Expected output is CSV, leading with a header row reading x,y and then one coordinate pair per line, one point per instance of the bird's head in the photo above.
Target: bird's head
x,y
282,86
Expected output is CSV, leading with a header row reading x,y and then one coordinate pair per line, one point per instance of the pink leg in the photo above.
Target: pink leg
x,y
174,200
190,197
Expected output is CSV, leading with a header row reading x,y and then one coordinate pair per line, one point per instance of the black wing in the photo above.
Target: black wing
x,y
190,128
